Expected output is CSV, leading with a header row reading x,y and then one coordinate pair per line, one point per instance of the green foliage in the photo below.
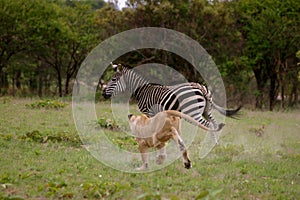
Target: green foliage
x,y
208,194
47,104
108,123
6,99
271,32
100,189
7,137
43,43
5,179
54,188
126,142
64,137
35,136
49,34
229,150
242,166
150,196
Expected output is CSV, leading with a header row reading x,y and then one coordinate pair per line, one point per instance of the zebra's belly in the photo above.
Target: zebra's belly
x,y
193,108
190,106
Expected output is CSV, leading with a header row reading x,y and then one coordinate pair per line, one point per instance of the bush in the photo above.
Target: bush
x,y
107,123
65,137
47,104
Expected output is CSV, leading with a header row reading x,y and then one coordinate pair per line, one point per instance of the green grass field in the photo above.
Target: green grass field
x,y
41,157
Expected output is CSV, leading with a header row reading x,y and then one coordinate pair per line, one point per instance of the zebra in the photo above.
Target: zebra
x,y
190,98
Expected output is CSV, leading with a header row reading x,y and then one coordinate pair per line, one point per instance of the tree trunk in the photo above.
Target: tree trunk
x,y
282,81
18,79
3,82
272,92
259,96
40,87
13,86
67,85
261,80
293,100
59,82
59,79
282,96
47,86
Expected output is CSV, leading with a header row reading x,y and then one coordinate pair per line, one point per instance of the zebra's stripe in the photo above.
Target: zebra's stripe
x,y
189,98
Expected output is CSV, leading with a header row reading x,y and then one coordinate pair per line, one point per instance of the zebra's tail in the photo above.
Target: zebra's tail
x,y
192,120
233,113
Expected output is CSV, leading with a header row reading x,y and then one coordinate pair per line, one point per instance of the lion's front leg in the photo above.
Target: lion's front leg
x,y
162,154
144,154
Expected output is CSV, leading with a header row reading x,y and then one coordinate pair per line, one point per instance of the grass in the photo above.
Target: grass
x,y
41,157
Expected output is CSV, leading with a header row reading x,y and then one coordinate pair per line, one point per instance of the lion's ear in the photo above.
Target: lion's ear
x,y
129,116
144,117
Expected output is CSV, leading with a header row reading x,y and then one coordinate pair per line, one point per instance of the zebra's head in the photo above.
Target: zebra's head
x,y
116,84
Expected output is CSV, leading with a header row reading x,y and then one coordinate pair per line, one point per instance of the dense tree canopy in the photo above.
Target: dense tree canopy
x,y
254,43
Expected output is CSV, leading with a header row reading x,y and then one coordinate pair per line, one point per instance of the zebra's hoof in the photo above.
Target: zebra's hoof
x,y
221,126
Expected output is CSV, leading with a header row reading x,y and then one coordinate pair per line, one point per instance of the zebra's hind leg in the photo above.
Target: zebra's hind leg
x,y
181,145
212,133
212,124
214,137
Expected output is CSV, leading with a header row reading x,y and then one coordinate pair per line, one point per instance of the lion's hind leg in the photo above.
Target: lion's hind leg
x,y
181,145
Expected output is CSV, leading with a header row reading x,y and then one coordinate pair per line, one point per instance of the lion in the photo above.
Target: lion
x,y
158,130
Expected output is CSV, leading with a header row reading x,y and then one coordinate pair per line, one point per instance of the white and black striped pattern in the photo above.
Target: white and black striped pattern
x,y
186,98
192,99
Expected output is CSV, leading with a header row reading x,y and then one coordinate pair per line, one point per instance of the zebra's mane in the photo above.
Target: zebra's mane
x,y
126,70
157,84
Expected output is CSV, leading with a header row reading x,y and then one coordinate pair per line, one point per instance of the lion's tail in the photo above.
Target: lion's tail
x,y
192,120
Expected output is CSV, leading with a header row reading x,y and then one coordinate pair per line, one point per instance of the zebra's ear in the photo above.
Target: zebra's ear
x,y
117,68
114,66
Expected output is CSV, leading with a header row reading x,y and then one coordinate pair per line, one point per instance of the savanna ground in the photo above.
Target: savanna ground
x,y
41,157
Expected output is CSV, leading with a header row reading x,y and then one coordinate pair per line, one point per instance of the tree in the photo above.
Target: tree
x,y
83,38
271,32
66,40
14,37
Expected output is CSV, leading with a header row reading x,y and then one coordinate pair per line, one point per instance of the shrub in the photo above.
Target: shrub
x,y
104,122
65,137
47,104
